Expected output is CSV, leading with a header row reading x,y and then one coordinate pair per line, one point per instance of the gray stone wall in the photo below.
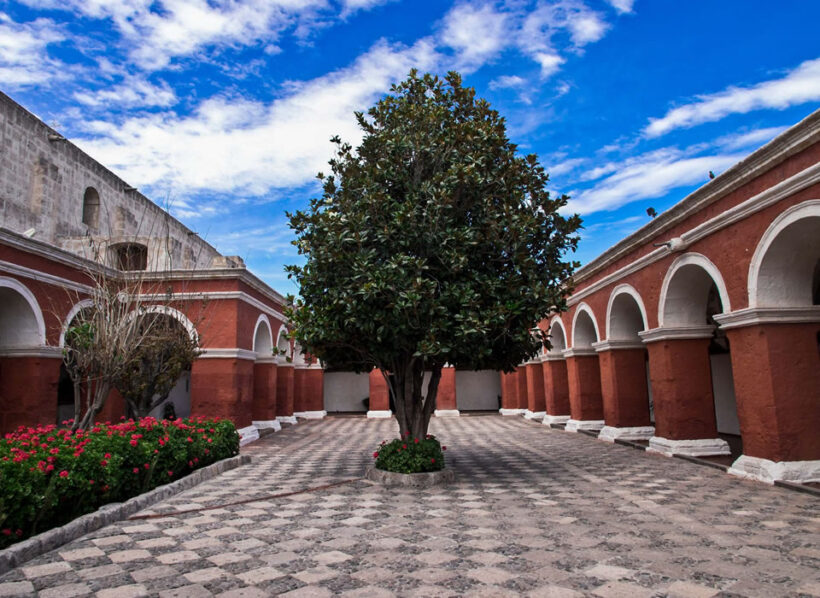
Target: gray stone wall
x,y
43,180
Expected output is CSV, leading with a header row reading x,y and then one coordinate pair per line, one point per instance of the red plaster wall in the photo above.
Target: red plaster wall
x,y
535,388
446,397
28,391
509,390
264,391
313,389
379,395
114,408
556,387
584,380
623,387
284,391
521,379
223,388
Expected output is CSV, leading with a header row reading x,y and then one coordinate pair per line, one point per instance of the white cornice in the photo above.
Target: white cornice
x,y
676,333
216,296
218,353
769,315
614,344
49,352
552,357
267,360
40,276
219,274
585,352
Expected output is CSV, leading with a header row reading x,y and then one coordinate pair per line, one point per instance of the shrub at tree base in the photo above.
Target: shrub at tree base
x,y
410,455
49,477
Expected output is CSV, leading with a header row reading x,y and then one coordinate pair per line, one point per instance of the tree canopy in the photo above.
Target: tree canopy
x,y
434,242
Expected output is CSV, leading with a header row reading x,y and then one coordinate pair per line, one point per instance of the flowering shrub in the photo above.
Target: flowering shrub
x,y
410,455
49,476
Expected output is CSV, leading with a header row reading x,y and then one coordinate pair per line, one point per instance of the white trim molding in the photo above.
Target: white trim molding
x,y
584,308
583,352
676,333
213,296
764,470
575,425
262,320
611,433
225,353
247,435
755,316
701,447
385,414
539,415
45,277
504,411
702,262
614,345
310,414
552,357
267,360
447,413
555,419
287,419
268,424
22,290
556,321
41,352
624,289
77,308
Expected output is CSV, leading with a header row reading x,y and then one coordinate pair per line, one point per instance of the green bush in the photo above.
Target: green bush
x,y
49,477
410,455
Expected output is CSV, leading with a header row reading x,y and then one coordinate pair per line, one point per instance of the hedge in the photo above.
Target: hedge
x,y
49,476
410,455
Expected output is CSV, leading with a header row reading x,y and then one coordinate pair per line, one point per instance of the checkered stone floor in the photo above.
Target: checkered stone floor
x,y
534,512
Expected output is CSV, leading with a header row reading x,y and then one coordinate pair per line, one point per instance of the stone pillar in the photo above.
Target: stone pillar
x,y
114,408
222,386
624,391
556,389
681,378
509,393
28,387
264,394
584,380
523,395
309,391
535,390
379,397
777,385
284,392
446,404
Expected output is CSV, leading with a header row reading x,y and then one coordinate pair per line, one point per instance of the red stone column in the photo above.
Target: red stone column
x,y
624,391
114,408
298,392
535,390
446,405
263,414
509,393
556,389
681,378
28,390
584,380
284,393
311,390
523,395
777,384
379,396
223,387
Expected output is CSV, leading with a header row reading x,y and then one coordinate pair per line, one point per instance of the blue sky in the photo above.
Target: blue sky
x,y
222,109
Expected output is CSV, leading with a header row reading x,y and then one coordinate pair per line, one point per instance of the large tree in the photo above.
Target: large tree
x,y
434,242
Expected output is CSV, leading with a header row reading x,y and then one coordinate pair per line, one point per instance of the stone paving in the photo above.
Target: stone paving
x,y
534,512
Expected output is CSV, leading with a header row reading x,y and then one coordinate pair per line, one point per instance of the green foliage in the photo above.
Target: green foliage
x,y
48,477
434,242
410,455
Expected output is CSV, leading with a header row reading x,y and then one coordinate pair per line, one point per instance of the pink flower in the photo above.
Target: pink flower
x,y
64,474
417,440
147,466
133,443
432,460
444,448
376,455
136,470
170,473
404,446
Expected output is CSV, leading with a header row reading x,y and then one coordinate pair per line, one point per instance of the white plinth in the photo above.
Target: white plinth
x,y
248,435
264,425
555,419
446,413
702,447
575,425
286,419
534,414
611,433
764,470
310,414
379,414
503,411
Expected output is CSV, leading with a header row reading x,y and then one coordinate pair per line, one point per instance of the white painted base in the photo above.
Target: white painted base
x,y
755,468
286,419
555,419
248,435
702,447
264,425
534,415
610,433
379,414
503,411
446,413
574,425
310,414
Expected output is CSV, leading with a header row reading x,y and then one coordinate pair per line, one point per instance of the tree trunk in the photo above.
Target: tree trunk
x,y
101,391
413,410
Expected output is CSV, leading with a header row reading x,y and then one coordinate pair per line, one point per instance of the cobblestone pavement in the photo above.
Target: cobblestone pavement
x,y
534,512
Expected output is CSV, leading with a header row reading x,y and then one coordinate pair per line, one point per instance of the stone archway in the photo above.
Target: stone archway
x,y
583,373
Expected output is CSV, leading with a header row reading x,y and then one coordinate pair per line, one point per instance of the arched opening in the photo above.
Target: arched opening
x,y
130,256
584,330
283,345
21,322
558,340
91,208
262,338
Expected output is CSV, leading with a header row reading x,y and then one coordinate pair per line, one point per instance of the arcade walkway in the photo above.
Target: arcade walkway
x,y
535,512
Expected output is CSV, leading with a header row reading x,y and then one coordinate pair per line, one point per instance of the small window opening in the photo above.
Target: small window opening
x,y
131,256
91,208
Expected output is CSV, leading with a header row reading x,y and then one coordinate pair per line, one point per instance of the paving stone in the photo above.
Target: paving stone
x,y
16,588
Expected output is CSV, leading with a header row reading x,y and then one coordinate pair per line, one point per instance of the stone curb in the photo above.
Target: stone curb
x,y
410,480
19,553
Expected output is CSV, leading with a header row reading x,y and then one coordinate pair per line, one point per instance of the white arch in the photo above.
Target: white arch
x,y
692,259
282,341
624,289
31,300
583,307
298,355
71,314
801,211
174,313
556,321
263,322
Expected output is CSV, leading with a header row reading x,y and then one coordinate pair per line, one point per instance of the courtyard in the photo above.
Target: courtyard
x,y
534,511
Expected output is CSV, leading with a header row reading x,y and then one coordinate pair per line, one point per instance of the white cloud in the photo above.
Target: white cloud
x,y
750,139
236,146
799,86
647,176
507,81
351,6
132,92
565,166
24,56
622,6
477,34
